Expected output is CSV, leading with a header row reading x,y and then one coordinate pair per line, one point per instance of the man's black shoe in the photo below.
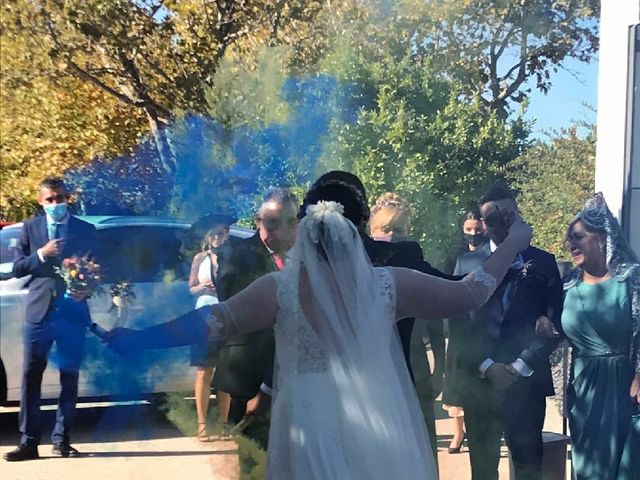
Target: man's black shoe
x,y
23,452
64,450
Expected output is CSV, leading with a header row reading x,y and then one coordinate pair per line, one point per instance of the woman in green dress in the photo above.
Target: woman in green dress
x,y
601,320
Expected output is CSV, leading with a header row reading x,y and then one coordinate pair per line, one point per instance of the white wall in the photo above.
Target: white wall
x,y
616,18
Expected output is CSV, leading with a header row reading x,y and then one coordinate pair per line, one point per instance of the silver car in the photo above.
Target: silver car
x,y
144,252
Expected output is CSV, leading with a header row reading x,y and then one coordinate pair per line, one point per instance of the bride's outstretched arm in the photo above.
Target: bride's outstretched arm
x,y
254,308
424,296
251,309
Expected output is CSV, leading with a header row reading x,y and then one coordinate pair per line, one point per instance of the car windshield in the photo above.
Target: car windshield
x,y
127,253
140,254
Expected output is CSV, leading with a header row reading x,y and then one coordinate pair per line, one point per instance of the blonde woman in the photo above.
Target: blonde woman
x,y
390,218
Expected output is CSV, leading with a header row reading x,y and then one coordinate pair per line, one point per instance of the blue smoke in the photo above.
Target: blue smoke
x,y
218,169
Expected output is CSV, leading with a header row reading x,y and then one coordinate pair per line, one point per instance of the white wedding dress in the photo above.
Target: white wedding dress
x,y
328,423
344,406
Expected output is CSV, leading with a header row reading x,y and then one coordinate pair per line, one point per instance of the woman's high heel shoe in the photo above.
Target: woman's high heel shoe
x,y
457,448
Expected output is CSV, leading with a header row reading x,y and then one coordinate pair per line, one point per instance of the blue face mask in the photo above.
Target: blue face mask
x,y
57,211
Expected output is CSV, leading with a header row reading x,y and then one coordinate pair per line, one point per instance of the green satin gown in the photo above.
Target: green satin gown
x,y
597,320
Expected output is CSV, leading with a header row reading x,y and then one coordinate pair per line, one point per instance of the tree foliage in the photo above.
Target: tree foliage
x,y
501,49
159,56
49,123
425,89
119,69
554,179
415,134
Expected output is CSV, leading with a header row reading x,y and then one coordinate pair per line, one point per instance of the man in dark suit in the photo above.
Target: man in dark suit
x,y
50,317
395,254
245,365
504,367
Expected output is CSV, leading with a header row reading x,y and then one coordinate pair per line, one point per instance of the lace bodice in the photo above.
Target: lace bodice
x,y
298,346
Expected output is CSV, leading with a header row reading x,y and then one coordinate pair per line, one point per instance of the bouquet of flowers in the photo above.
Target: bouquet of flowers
x,y
122,295
81,276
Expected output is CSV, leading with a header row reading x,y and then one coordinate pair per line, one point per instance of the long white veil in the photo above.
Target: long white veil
x,y
351,307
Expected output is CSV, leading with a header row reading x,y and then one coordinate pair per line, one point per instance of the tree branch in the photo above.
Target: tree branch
x,y
105,71
139,86
80,73
522,69
494,84
275,23
510,71
505,42
156,8
156,68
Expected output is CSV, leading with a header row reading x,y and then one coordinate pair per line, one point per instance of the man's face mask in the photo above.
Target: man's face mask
x,y
56,211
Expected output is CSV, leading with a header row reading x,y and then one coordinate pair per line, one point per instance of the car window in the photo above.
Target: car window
x,y
140,254
9,250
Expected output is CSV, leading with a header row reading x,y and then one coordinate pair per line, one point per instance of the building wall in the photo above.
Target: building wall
x,y
612,166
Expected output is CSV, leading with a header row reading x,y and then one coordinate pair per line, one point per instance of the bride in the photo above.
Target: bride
x,y
344,406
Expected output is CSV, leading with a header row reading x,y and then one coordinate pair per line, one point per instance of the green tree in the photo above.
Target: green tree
x,y
416,135
499,50
554,179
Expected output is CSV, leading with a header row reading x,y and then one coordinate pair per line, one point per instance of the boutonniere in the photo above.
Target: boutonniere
x,y
525,271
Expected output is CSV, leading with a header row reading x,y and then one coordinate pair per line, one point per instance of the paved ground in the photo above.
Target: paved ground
x,y
456,467
136,442
125,442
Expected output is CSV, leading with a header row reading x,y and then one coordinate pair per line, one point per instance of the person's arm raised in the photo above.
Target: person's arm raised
x,y
424,296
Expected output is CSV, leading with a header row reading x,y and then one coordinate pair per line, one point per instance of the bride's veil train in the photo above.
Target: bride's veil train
x,y
370,413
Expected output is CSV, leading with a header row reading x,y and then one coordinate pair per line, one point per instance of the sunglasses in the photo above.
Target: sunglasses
x,y
500,218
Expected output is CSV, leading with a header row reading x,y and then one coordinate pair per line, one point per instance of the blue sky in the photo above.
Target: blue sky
x,y
564,102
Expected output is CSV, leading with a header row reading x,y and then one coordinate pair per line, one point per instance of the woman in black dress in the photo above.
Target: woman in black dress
x,y
473,231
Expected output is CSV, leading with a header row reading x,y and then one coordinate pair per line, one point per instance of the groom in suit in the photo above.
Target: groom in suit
x,y
504,366
245,365
50,316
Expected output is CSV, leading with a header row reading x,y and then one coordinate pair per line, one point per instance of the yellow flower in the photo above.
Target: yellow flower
x,y
73,273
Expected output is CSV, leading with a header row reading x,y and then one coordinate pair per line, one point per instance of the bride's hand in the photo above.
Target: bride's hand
x,y
123,340
520,234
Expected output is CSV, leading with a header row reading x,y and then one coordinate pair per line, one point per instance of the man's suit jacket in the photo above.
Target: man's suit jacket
x,y
409,255
503,329
45,285
240,262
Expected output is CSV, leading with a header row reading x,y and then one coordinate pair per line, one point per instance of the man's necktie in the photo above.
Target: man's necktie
x,y
279,261
56,231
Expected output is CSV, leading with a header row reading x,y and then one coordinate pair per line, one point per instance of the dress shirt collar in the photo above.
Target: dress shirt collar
x,y
51,221
284,256
518,262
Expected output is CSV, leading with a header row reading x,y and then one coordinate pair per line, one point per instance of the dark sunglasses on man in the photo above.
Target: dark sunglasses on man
x,y
500,218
